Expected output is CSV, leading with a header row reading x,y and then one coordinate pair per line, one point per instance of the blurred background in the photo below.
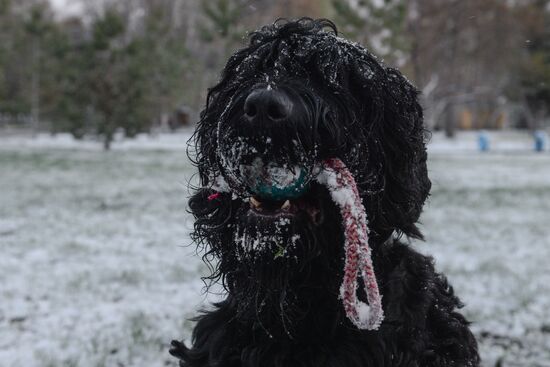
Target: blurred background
x,y
92,67
98,99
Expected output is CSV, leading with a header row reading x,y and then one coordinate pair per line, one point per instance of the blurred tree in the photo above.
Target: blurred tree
x,y
379,25
38,26
70,97
109,77
223,16
27,29
535,71
126,74
10,32
447,48
166,56
348,20
299,8
457,62
128,64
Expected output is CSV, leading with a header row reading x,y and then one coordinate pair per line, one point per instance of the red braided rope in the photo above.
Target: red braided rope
x,y
343,190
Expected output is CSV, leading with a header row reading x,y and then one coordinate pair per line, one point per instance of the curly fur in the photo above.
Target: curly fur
x,y
285,311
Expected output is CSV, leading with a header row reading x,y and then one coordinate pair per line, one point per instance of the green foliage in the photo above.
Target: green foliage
x,y
117,79
22,39
386,23
128,67
37,22
107,29
5,6
223,17
350,23
535,72
392,18
90,79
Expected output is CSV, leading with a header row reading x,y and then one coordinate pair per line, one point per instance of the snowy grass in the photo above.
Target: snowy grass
x,y
95,270
487,225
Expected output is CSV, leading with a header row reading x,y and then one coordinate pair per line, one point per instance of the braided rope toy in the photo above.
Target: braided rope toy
x,y
343,190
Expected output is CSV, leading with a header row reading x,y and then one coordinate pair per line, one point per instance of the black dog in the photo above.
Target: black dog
x,y
299,95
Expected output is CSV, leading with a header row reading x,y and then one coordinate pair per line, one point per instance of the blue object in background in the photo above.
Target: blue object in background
x,y
483,141
540,140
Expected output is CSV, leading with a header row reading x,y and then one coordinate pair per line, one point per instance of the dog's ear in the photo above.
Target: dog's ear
x,y
393,125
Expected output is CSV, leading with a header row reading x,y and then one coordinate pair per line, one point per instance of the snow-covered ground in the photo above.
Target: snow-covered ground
x,y
95,267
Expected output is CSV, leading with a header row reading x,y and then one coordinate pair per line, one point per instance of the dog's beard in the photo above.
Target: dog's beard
x,y
257,241
275,262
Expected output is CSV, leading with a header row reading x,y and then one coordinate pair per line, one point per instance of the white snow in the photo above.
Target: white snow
x,y
258,242
364,313
499,141
95,268
341,195
66,141
94,265
282,177
486,223
220,185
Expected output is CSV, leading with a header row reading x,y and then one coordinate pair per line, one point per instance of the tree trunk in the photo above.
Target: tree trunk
x,y
108,138
35,87
450,122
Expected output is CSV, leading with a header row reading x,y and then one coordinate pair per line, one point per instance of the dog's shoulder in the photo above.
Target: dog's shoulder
x,y
421,309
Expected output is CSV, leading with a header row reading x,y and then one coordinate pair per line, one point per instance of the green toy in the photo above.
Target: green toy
x,y
278,183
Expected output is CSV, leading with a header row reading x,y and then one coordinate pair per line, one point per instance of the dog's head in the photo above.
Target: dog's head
x,y
295,96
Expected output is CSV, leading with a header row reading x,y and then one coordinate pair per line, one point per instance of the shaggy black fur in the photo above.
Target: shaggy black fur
x,y
282,306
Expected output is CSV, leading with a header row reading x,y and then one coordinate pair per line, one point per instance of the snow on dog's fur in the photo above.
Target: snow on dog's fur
x,y
277,240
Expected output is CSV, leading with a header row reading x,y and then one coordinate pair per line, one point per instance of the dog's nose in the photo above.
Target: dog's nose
x,y
267,104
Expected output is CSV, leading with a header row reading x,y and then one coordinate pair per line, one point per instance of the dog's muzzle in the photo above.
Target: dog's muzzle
x,y
260,153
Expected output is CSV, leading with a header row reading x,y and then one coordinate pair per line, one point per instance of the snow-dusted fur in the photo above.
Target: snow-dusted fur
x,y
283,277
